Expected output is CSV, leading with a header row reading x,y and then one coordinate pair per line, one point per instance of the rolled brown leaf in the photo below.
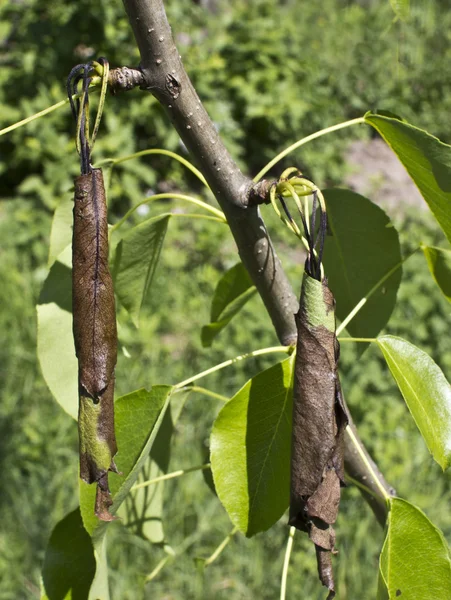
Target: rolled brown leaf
x,y
319,421
95,335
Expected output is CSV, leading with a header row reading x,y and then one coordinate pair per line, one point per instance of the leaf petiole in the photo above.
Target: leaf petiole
x,y
286,563
374,289
180,159
172,475
221,547
305,140
231,361
40,114
170,196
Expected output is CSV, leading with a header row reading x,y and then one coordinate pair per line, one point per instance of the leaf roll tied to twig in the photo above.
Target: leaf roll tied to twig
x,y
319,414
94,318
319,420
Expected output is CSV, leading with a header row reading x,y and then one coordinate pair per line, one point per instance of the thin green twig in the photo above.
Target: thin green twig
x,y
364,300
303,141
220,548
205,392
180,159
231,361
170,196
349,432
286,563
172,475
353,339
171,554
41,113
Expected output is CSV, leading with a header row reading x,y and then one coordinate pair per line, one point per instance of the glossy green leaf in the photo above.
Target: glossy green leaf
x,y
55,342
426,159
142,511
362,247
135,261
234,289
69,564
439,263
250,450
401,8
61,231
415,561
426,391
138,417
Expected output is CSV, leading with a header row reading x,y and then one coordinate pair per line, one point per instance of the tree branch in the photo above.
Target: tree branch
x,y
166,78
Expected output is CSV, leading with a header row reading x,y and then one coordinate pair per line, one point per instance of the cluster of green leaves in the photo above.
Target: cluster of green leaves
x,y
37,149
249,461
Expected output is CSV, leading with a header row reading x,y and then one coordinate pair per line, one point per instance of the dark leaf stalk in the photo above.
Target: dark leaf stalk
x,y
93,306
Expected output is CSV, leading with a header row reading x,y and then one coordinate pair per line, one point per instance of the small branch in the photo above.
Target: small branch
x,y
123,79
166,78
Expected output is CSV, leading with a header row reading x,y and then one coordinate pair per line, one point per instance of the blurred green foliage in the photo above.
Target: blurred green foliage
x,y
269,73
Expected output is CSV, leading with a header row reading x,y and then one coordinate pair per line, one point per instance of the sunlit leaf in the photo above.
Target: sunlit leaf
x,y
361,249
415,561
426,391
250,450
138,417
142,511
135,261
427,160
55,342
439,263
234,289
61,231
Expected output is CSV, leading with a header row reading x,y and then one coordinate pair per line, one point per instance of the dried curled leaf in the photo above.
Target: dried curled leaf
x,y
95,335
319,420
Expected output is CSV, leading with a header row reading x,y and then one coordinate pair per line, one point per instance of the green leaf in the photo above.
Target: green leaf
x,y
250,450
69,563
401,8
138,417
55,342
426,159
415,562
426,391
61,231
135,261
142,511
439,263
363,248
234,289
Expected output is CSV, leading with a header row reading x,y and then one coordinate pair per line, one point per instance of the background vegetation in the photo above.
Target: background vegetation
x,y
269,72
